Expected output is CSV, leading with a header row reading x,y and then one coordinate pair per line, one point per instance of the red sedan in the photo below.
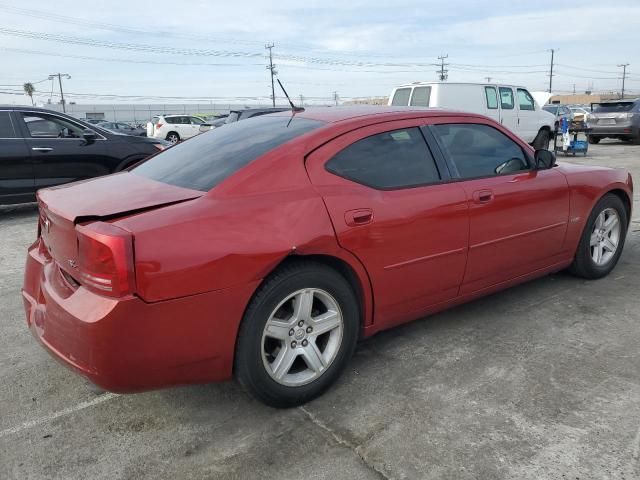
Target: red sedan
x,y
264,249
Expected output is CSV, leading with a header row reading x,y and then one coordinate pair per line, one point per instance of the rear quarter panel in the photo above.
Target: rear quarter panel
x,y
588,184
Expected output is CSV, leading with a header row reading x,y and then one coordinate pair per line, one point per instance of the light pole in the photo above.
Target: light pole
x,y
60,75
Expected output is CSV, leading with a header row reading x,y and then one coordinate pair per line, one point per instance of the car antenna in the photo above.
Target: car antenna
x,y
294,109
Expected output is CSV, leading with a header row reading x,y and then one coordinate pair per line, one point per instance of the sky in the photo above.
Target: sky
x,y
164,51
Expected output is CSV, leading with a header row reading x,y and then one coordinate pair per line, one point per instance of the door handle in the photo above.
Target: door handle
x,y
41,149
483,196
361,216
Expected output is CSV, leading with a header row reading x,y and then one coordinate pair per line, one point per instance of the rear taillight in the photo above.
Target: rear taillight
x,y
105,259
158,125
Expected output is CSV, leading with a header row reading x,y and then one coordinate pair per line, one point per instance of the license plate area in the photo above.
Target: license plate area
x,y
607,121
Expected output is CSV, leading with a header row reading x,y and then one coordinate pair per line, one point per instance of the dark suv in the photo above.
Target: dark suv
x,y
615,119
41,148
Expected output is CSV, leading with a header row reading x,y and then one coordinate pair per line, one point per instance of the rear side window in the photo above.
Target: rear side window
x,y
612,107
492,97
172,120
506,98
420,97
401,97
206,160
6,126
480,150
525,100
389,160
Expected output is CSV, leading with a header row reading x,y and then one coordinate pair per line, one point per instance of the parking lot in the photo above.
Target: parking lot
x,y
541,381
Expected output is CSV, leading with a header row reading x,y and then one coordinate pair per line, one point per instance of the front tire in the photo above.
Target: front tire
x,y
602,239
297,335
593,140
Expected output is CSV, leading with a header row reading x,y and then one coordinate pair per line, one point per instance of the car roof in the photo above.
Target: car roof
x,y
264,109
492,84
380,113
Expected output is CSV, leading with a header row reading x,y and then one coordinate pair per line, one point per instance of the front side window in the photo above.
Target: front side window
x,y
42,125
6,126
401,97
478,150
389,160
506,98
525,100
492,97
206,160
420,97
196,121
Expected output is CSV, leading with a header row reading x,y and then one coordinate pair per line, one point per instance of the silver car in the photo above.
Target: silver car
x,y
615,119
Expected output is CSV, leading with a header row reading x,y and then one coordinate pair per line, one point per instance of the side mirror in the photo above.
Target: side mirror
x,y
89,135
544,159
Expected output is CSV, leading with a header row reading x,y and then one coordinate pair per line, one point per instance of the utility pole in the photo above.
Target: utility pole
x,y
574,88
442,72
60,75
301,100
272,69
624,75
551,70
335,97
488,79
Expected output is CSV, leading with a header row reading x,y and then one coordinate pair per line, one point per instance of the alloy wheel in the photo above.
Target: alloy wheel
x,y
605,237
302,337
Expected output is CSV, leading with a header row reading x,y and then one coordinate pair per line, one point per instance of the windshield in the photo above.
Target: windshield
x,y
612,107
206,160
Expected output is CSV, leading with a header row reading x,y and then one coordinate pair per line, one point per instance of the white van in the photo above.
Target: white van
x,y
512,106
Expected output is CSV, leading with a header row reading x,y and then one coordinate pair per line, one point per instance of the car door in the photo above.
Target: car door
x,y
59,153
527,117
16,170
492,106
390,205
518,215
195,125
508,111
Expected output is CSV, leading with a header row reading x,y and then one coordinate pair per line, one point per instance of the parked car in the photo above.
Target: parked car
x,y
41,148
124,128
580,114
174,128
93,121
512,106
559,112
264,249
615,119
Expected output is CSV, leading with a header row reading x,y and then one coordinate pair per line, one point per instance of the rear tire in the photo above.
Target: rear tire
x,y
173,137
602,240
287,354
593,140
542,140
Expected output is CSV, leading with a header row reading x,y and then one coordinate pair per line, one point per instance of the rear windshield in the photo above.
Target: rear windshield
x,y
204,161
610,107
401,97
550,109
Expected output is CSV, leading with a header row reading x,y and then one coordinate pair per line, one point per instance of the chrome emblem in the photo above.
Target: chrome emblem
x,y
72,263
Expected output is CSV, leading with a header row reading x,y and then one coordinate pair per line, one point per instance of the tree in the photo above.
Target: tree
x,y
29,89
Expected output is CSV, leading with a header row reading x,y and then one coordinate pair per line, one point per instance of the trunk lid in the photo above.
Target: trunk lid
x,y
103,198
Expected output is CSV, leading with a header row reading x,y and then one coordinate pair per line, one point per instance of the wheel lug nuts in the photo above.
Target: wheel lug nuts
x,y
309,329
294,344
304,343
291,332
301,323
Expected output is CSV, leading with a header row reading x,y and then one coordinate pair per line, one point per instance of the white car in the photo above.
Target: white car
x,y
512,106
174,128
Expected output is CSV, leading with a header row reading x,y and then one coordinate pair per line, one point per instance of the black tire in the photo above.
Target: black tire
x,y
172,137
583,264
542,140
636,140
249,367
593,140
